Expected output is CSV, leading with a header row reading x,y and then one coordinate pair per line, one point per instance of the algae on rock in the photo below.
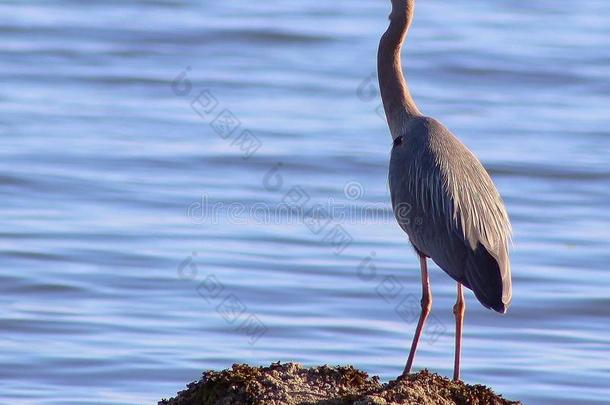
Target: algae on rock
x,y
292,384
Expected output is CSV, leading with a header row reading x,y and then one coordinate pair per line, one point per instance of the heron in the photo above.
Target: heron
x,y
442,196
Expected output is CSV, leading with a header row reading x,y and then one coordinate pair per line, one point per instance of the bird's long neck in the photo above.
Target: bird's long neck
x,y
397,101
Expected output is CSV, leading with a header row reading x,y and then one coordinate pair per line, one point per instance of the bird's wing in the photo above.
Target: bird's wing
x,y
457,216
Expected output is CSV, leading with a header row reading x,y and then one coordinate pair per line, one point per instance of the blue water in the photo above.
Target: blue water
x,y
144,240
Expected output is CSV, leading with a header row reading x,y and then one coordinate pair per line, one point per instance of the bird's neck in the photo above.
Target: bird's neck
x,y
397,101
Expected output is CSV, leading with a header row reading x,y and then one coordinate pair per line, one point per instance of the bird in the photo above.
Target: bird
x,y
441,194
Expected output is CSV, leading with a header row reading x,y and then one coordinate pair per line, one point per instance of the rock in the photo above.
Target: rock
x,y
292,384
371,400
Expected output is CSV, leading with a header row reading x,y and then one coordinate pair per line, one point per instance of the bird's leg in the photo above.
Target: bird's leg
x,y
458,310
426,305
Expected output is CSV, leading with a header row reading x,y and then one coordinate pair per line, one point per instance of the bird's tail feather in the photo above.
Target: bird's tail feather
x,y
484,277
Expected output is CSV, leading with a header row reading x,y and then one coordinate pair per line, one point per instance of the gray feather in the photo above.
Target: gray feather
x,y
455,214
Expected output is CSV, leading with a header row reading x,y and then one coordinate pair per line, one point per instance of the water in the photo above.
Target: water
x,y
105,169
